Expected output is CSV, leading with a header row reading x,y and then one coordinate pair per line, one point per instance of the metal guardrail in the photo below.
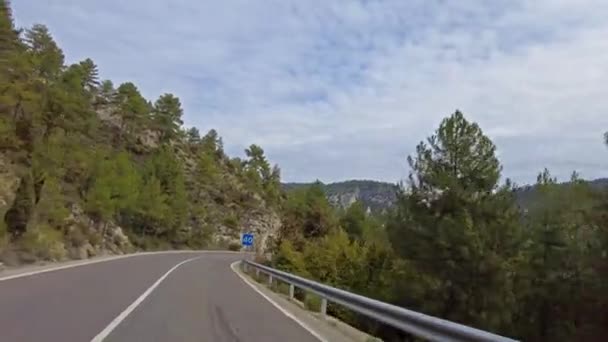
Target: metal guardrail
x,y
415,323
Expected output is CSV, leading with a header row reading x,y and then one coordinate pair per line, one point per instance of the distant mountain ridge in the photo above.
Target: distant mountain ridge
x,y
527,194
375,195
378,196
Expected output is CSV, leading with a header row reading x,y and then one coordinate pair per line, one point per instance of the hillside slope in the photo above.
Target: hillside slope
x,y
378,196
89,168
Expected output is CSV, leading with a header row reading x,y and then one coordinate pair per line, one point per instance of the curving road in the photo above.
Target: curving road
x,y
200,300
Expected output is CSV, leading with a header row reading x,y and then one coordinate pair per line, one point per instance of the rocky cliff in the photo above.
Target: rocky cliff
x,y
376,196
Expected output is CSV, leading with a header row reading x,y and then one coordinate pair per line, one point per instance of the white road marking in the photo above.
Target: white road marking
x,y
95,261
63,267
107,330
285,312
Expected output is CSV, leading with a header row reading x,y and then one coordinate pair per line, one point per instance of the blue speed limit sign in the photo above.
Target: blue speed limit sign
x,y
247,239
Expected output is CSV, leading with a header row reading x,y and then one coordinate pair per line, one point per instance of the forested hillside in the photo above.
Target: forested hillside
x,y
528,195
89,167
458,245
377,197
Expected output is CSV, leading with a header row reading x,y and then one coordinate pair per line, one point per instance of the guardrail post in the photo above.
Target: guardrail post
x,y
270,280
323,308
257,274
291,291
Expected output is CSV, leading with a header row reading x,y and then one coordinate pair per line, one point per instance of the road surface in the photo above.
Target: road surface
x,y
200,300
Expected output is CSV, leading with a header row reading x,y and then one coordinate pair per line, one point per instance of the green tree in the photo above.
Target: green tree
x,y
355,221
193,135
212,144
46,55
51,209
19,90
106,95
207,169
288,259
458,227
257,163
260,176
9,38
306,214
115,188
320,217
559,279
167,116
152,209
99,203
164,167
132,108
66,104
90,75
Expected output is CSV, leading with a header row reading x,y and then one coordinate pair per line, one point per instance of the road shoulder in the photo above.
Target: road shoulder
x,y
328,329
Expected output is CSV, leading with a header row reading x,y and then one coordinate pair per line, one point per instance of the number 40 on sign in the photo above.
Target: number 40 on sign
x,y
247,239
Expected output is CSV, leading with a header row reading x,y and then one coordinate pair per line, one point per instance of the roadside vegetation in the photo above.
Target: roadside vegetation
x,y
456,245
89,167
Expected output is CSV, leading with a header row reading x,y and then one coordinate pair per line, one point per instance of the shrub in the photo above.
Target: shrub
x,y
44,243
290,260
234,246
312,302
281,287
76,237
3,233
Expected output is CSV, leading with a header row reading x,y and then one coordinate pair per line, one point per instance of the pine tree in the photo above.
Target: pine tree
x,y
19,92
559,278
90,75
106,94
165,168
47,57
193,136
354,221
152,209
212,144
458,227
132,108
9,38
167,116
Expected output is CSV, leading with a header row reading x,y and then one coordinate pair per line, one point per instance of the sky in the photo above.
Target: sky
x,y
335,90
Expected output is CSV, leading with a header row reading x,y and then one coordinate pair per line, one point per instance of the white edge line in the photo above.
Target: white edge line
x,y
285,312
107,330
90,262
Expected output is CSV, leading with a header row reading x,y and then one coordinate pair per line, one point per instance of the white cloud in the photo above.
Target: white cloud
x,y
345,89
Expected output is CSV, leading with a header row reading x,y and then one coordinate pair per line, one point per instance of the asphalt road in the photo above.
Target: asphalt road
x,y
201,300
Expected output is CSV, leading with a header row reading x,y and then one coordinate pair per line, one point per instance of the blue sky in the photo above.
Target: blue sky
x,y
335,90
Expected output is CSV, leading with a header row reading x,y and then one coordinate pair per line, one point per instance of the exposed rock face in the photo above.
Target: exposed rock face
x,y
344,200
376,196
263,223
119,239
147,139
90,238
264,226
